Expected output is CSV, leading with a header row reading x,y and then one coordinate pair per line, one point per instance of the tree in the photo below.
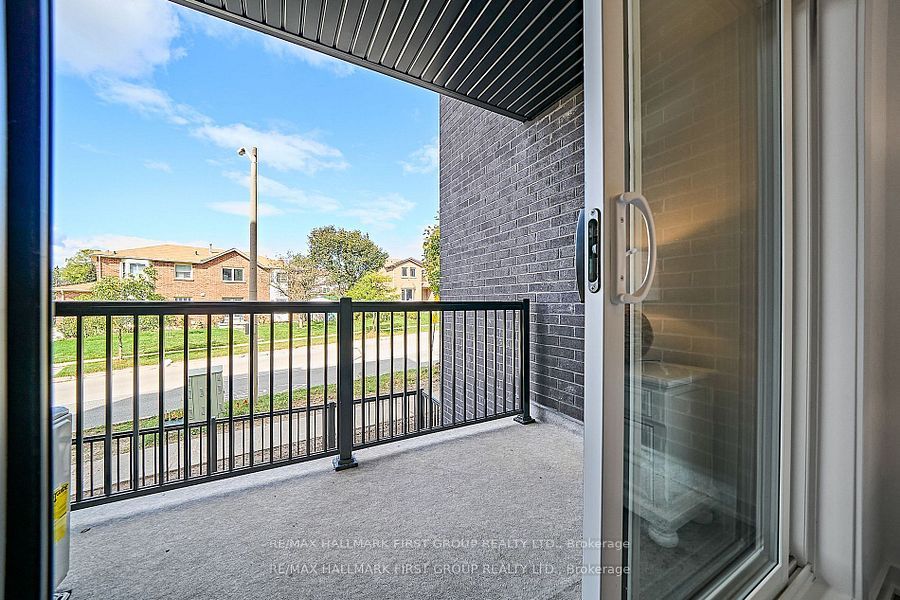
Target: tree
x,y
431,247
300,276
344,255
373,287
79,268
140,287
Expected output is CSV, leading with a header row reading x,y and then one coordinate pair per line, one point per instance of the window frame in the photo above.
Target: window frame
x,y
190,267
127,263
233,280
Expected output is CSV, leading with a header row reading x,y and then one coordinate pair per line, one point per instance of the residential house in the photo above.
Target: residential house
x,y
188,273
72,291
408,278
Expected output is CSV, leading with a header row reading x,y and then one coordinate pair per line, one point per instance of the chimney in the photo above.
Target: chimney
x,y
210,249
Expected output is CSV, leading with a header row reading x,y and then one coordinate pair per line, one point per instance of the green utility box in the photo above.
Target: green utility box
x,y
197,393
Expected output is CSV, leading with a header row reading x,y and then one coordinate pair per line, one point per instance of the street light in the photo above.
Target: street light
x,y
254,205
254,345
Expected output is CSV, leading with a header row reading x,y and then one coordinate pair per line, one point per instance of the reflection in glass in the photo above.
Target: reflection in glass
x,y
702,359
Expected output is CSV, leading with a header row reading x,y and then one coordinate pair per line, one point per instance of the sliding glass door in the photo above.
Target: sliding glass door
x,y
687,419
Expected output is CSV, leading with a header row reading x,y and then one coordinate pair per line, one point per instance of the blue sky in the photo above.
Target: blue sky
x,y
152,100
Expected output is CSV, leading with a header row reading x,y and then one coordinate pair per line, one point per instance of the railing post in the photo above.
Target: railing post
x,y
525,358
345,458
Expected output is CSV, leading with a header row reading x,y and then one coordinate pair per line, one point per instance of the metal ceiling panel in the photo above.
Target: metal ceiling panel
x,y
514,57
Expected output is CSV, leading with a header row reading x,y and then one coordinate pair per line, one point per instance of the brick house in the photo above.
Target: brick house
x,y
188,273
408,278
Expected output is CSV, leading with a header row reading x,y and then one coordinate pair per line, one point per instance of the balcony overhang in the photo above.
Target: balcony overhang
x,y
513,57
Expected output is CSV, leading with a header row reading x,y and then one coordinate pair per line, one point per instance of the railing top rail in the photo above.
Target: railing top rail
x,y
90,308
425,306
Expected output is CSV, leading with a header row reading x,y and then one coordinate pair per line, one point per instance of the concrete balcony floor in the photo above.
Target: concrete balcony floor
x,y
490,511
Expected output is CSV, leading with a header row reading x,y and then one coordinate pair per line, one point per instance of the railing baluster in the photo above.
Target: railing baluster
x,y
135,407
251,365
107,444
496,348
290,385
430,369
211,434
453,388
308,377
525,341
231,393
325,393
405,372
391,401
377,376
362,385
465,359
475,362
272,387
162,440
515,354
505,371
91,469
187,425
419,408
79,408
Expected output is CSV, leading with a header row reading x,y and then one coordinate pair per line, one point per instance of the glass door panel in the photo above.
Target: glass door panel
x,y
702,380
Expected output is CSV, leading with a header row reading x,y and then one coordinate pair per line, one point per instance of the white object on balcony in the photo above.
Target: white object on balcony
x,y
62,446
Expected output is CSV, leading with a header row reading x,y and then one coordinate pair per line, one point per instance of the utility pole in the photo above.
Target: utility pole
x,y
251,292
254,209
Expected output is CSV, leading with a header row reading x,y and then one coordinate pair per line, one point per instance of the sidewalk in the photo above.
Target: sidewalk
x,y
306,362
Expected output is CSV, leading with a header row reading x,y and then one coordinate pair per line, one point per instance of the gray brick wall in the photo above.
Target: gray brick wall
x,y
509,199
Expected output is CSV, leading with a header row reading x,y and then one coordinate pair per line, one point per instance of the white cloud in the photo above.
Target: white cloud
x,y
114,38
148,101
281,151
242,209
271,188
424,160
287,50
382,212
158,165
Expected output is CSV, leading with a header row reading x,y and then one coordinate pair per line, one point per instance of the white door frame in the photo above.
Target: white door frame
x,y
604,383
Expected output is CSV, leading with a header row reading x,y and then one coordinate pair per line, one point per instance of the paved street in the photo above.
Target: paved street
x,y
122,384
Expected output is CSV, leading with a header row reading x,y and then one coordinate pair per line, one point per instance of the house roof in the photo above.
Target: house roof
x,y
75,287
514,58
396,262
177,253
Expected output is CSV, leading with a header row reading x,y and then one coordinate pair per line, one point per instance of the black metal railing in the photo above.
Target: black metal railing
x,y
263,384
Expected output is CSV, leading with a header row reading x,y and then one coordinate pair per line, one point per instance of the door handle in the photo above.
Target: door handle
x,y
587,250
623,252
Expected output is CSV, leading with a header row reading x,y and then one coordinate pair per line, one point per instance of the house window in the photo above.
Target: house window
x,y
412,271
280,277
134,268
184,272
406,294
182,298
233,274
403,272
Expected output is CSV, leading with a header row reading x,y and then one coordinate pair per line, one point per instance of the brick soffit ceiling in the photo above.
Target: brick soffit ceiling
x,y
513,57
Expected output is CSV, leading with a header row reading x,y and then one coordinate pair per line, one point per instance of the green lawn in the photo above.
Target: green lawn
x,y
94,346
